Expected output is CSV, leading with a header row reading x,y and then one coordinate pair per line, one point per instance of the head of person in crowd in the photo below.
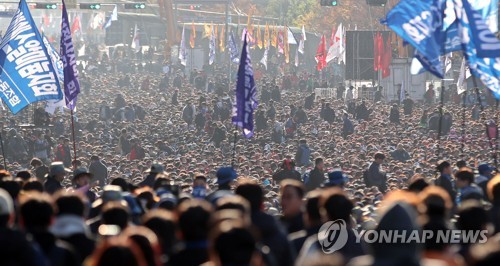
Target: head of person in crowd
x,y
253,193
226,177
82,177
163,223
7,215
444,168
200,186
336,178
115,213
194,217
319,163
379,158
485,170
465,183
243,249
291,193
36,212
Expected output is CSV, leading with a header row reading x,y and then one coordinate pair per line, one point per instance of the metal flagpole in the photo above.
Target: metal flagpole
x,y
3,152
464,111
73,134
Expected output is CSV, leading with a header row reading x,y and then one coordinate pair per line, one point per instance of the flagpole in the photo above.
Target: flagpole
x,y
73,134
233,159
3,152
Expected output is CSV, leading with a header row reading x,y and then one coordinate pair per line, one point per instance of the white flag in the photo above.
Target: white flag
x,y
402,93
297,57
461,82
337,50
114,15
302,41
136,45
211,54
183,52
447,63
291,38
264,58
304,33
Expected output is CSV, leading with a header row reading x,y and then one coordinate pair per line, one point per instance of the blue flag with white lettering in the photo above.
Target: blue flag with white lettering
x,y
233,49
27,74
68,57
420,23
246,94
56,59
487,69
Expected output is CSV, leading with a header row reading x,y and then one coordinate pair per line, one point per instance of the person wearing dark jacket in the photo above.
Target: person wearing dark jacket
x,y
15,249
347,126
37,214
69,224
374,176
56,175
316,176
312,221
362,113
287,171
40,169
292,193
271,234
394,114
309,101
303,153
150,179
328,113
337,209
98,170
400,154
445,180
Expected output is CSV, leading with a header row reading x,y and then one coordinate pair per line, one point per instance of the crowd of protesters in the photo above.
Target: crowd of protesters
x,y
160,178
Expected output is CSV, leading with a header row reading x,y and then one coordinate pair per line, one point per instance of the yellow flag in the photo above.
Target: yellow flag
x,y
285,45
192,37
222,45
208,31
274,37
259,38
266,36
216,31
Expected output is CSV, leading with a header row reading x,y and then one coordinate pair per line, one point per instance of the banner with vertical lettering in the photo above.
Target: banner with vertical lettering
x,y
68,57
246,94
27,74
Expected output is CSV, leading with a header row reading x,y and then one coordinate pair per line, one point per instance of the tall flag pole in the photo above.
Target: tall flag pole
x,y
21,49
71,83
183,52
246,94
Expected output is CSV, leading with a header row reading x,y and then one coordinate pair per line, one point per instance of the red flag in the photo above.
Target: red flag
x,y
332,38
46,20
76,25
378,51
387,59
321,54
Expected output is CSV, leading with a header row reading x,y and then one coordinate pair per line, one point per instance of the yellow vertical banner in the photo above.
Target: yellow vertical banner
x,y
208,31
259,38
266,36
222,44
192,37
274,37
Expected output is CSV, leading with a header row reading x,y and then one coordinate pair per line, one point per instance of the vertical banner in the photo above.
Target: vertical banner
x,y
246,94
68,57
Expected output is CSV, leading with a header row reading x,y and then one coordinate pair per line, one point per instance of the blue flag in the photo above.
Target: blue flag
x,y
487,69
233,49
68,57
26,72
246,94
56,59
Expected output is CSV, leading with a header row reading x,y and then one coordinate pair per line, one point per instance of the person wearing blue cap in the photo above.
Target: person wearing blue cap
x,y
336,178
225,179
485,175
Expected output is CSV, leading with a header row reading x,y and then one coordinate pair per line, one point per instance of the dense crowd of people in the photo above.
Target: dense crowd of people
x,y
161,178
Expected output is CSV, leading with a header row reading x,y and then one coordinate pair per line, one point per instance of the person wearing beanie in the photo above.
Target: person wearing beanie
x,y
485,175
225,180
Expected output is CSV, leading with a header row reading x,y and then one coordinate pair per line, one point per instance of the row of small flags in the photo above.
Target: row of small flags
x,y
31,70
